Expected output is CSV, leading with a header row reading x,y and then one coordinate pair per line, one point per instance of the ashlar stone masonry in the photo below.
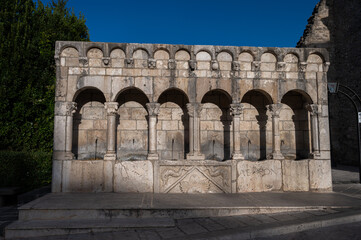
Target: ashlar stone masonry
x,y
190,119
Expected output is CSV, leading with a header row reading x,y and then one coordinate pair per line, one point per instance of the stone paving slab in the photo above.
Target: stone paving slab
x,y
351,189
295,222
230,223
189,201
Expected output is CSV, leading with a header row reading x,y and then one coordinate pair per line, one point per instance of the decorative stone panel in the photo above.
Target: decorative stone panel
x,y
194,177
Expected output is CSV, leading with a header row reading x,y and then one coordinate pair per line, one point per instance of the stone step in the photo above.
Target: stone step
x,y
110,205
38,228
108,214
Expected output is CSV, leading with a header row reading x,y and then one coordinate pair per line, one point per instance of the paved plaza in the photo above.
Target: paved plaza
x,y
322,223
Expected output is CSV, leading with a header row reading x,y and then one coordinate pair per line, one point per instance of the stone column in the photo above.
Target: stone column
x,y
71,108
236,110
276,138
111,108
153,111
313,109
194,112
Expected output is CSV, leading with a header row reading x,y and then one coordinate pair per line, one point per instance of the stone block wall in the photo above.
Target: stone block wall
x,y
335,25
190,119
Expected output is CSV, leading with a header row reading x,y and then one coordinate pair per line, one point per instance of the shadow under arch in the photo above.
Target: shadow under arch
x,y
89,136
143,98
215,134
173,114
132,125
255,147
295,125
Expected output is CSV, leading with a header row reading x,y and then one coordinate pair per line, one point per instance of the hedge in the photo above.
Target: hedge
x,y
27,170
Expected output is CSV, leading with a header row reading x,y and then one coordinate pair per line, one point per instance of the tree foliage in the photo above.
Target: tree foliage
x,y
28,31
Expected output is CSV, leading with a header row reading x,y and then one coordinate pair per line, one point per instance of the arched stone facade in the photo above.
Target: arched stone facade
x,y
190,119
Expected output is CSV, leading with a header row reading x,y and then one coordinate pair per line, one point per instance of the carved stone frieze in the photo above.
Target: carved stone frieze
x,y
195,179
83,61
215,65
171,64
235,66
192,65
129,62
106,61
281,66
152,63
256,66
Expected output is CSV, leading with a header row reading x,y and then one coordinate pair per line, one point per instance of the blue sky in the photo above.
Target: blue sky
x,y
269,23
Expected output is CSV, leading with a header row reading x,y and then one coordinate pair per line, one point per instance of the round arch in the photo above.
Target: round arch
x,y
306,97
116,96
81,90
296,142
256,125
262,92
131,94
89,133
173,125
174,89
215,125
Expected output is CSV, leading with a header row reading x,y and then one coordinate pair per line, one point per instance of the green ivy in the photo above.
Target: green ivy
x,y
28,32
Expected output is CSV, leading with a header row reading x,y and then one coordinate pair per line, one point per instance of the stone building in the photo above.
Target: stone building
x,y
336,26
190,119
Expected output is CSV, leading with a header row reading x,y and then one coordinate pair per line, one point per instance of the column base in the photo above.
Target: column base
x,y
153,156
69,155
110,156
237,156
196,156
275,156
315,155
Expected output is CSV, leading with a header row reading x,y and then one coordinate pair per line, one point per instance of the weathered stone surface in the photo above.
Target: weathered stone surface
x,y
259,176
83,176
174,103
320,175
133,176
295,175
330,22
194,177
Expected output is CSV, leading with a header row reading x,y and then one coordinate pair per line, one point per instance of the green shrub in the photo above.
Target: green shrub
x,y
27,170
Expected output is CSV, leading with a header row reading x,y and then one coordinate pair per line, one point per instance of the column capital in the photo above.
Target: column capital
x,y
65,108
111,107
236,109
70,108
153,108
275,109
194,109
313,109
